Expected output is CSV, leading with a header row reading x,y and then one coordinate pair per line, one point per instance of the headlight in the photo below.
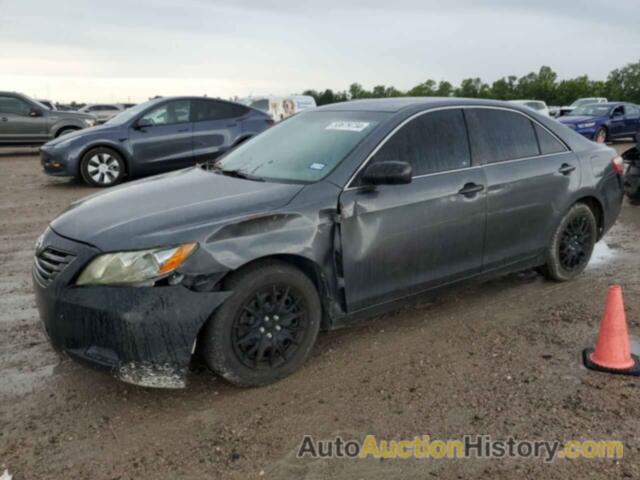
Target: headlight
x,y
139,268
90,122
587,125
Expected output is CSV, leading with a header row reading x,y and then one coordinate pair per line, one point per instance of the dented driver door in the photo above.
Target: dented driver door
x,y
400,239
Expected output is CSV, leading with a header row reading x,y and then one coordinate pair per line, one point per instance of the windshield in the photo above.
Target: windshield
x,y
303,148
592,110
129,113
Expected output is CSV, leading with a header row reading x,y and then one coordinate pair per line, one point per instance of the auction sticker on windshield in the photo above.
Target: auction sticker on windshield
x,y
348,126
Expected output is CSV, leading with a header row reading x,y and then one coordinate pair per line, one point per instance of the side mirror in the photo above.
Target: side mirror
x,y
142,123
34,112
387,173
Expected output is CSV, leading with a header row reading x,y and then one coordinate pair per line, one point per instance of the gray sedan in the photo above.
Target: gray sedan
x,y
333,214
152,137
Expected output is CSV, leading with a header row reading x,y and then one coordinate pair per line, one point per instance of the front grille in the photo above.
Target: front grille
x,y
49,262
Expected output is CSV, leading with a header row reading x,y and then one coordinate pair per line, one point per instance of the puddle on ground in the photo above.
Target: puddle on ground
x,y
602,254
16,382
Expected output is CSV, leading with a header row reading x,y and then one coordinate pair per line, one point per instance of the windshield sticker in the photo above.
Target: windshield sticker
x,y
348,126
317,166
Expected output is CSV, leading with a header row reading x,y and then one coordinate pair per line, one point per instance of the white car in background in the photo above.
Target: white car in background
x,y
537,105
280,107
102,111
579,102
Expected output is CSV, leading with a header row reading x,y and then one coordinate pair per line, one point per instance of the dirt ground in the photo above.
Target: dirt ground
x,y
501,359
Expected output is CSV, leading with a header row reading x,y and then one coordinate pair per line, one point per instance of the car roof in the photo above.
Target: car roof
x,y
397,104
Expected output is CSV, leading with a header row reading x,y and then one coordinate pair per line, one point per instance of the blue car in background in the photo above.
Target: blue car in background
x,y
603,122
156,136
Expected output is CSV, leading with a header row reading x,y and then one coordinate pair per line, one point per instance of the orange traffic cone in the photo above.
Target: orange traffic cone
x,y
612,345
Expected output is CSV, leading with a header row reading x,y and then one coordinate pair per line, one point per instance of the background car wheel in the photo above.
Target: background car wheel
x,y
102,167
266,329
601,135
64,131
572,244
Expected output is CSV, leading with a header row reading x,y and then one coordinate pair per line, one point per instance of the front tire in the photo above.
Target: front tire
x,y
601,135
572,244
265,331
102,167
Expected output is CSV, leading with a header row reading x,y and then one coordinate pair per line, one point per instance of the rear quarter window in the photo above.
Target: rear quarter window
x,y
548,143
499,135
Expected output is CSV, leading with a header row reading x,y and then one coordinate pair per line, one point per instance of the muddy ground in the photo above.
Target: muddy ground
x,y
501,358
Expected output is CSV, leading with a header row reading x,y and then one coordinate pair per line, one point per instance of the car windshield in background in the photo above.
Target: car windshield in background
x,y
592,110
583,101
304,148
128,114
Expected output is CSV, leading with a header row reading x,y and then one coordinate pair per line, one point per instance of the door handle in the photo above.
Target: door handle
x,y
4,119
231,125
470,189
182,130
566,169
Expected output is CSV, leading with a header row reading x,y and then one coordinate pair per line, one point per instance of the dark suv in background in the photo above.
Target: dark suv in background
x,y
26,121
156,136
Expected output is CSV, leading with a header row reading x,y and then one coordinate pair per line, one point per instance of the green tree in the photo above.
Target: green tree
x,y
445,89
624,83
425,89
504,88
473,88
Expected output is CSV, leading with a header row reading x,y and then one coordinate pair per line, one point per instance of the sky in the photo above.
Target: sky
x,y
128,51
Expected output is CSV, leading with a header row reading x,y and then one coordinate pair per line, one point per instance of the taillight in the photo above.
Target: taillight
x,y
618,165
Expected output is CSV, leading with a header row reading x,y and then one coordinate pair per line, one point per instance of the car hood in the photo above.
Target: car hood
x,y
98,130
67,114
578,119
178,207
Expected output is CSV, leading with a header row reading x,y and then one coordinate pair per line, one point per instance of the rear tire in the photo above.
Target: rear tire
x,y
102,167
267,328
571,245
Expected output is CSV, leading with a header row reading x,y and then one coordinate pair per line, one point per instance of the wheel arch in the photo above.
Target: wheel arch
x,y
61,128
111,146
595,205
307,266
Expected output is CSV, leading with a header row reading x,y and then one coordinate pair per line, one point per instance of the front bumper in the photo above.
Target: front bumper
x,y
143,336
585,132
55,162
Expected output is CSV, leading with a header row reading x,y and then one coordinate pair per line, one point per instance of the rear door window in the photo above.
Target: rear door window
x,y
548,143
207,110
500,135
431,143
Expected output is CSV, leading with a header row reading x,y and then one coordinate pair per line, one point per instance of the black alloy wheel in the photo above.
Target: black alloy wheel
x,y
270,327
575,244
266,329
572,244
